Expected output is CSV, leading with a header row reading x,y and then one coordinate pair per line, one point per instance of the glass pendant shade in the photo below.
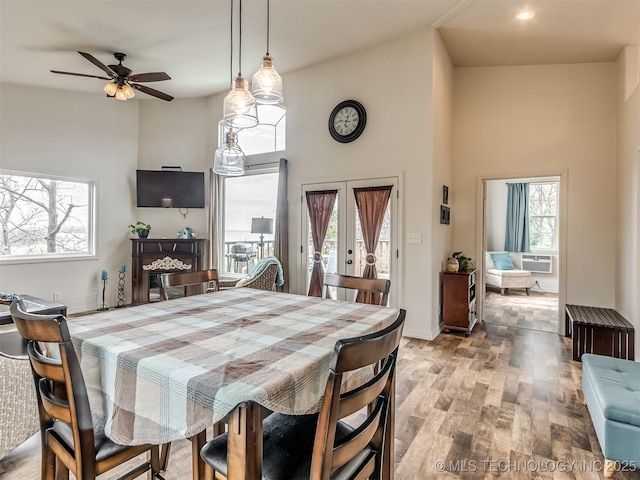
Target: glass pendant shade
x,y
239,110
128,91
229,158
267,83
120,95
110,89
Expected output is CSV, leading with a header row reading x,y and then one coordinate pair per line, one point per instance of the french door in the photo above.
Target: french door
x,y
343,249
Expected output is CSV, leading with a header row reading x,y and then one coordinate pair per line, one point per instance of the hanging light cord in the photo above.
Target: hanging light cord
x,y
268,24
231,52
240,42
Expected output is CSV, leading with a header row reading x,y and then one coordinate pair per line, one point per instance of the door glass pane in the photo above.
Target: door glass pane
x,y
247,197
383,249
329,249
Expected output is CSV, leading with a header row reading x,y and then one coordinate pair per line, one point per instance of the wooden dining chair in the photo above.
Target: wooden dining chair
x,y
207,280
375,285
70,442
322,446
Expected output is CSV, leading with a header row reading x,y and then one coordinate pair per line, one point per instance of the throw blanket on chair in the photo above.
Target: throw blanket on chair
x,y
263,264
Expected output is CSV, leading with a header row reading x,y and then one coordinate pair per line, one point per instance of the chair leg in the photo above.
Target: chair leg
x,y
48,461
609,468
164,456
528,290
62,472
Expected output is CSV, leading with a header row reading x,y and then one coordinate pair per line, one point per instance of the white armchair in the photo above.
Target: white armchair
x,y
506,279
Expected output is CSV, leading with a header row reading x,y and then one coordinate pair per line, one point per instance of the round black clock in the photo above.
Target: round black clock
x,y
347,121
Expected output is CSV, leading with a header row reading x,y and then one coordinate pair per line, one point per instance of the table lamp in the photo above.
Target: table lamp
x,y
262,225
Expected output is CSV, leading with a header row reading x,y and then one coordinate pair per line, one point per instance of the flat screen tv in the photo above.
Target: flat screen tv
x,y
169,189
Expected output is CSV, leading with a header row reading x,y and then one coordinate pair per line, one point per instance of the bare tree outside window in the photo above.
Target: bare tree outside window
x,y
543,216
40,216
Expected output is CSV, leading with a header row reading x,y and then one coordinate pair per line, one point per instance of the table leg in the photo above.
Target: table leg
x,y
388,449
197,464
244,455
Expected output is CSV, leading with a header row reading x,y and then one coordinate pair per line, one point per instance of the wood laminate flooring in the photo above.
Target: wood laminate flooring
x,y
537,311
502,403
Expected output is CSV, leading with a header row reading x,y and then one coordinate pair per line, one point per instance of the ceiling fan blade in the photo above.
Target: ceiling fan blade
x,y
152,92
80,75
98,64
149,77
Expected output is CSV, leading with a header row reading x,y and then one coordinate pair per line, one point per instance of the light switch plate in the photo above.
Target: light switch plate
x,y
414,238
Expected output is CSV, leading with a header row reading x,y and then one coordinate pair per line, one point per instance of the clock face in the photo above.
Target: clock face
x,y
347,121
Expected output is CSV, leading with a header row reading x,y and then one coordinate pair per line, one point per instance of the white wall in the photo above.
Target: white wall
x,y
543,120
628,192
79,135
176,133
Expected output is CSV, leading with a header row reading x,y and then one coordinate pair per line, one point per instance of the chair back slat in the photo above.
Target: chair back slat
x,y
45,366
375,285
55,406
353,400
184,279
344,452
377,351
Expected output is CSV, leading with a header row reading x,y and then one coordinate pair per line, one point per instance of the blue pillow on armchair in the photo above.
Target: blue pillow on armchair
x,y
502,261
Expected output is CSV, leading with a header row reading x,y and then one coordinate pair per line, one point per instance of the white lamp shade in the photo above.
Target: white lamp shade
x,y
110,89
262,225
120,95
267,83
239,110
128,91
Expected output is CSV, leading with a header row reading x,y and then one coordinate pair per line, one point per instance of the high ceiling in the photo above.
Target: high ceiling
x,y
190,39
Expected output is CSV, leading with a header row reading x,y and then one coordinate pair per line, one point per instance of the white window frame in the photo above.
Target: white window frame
x,y
90,254
556,228
258,169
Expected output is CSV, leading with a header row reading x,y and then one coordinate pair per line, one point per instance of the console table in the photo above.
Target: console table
x,y
153,256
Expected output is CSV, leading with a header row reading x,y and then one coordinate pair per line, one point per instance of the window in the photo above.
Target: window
x,y
43,216
268,136
543,216
246,197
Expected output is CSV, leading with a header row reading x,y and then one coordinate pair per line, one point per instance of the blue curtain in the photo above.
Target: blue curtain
x,y
517,233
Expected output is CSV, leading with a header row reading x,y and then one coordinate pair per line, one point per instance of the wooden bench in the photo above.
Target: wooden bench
x,y
601,331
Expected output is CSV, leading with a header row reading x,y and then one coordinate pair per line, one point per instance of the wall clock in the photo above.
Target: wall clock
x,y
347,121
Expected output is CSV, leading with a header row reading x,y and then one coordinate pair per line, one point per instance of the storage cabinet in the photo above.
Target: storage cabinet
x,y
458,291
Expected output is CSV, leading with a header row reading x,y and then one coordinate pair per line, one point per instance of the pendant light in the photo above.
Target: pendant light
x,y
229,158
267,82
239,110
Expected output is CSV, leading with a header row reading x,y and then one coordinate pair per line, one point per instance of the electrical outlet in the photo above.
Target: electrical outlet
x,y
57,296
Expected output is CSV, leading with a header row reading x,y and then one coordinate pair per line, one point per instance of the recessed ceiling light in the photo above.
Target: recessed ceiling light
x,y
525,15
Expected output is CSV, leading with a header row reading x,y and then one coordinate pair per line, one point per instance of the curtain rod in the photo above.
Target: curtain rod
x,y
262,164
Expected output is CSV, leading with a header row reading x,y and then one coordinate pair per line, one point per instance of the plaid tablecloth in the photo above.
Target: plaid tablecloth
x,y
168,370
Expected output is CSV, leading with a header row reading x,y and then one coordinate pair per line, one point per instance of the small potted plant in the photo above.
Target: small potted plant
x,y
140,229
464,262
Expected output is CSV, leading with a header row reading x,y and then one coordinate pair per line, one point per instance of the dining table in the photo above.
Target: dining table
x,y
164,371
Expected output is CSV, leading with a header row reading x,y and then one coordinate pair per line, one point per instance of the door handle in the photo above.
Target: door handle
x,y
349,262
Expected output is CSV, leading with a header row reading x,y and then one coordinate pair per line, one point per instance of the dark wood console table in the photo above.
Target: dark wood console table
x,y
151,256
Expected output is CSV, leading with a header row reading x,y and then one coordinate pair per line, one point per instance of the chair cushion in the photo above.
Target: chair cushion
x,y
615,384
105,448
502,261
287,448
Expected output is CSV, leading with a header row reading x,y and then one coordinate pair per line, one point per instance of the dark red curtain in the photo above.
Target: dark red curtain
x,y
372,204
320,205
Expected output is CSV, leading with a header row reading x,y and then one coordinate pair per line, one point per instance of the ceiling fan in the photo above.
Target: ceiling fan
x,y
122,82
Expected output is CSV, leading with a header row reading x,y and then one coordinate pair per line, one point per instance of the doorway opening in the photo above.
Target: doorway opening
x,y
522,280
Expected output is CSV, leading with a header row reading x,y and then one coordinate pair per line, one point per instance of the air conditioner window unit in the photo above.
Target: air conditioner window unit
x,y
536,263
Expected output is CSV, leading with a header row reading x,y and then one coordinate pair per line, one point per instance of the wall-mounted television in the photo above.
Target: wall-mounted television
x,y
169,189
